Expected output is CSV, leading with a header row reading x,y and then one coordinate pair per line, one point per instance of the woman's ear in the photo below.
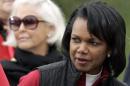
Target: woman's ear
x,y
51,31
52,27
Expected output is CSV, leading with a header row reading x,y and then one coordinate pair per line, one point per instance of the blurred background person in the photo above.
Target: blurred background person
x,y
6,50
38,26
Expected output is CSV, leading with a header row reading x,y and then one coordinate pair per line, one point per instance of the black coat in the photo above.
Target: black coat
x,y
64,74
27,62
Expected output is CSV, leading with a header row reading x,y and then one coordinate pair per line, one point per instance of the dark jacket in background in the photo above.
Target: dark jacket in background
x,y
26,62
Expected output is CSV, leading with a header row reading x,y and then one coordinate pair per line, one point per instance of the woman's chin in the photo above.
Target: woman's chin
x,y
24,46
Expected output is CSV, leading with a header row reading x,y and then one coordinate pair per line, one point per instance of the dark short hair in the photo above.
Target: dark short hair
x,y
105,23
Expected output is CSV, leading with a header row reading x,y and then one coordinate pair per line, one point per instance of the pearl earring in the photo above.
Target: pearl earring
x,y
108,55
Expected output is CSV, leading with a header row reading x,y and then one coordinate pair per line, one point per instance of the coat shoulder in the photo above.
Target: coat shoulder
x,y
52,66
117,82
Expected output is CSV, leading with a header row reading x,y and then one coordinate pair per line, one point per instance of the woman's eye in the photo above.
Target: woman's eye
x,y
75,40
94,43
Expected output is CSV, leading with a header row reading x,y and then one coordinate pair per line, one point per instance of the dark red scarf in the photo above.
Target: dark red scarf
x,y
104,76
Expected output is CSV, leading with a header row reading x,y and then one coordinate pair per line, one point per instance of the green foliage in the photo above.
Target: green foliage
x,y
68,6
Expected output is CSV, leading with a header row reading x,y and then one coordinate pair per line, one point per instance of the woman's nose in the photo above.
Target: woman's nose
x,y
21,27
82,48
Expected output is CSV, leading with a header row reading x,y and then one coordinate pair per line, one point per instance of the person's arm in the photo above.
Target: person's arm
x,y
31,79
3,79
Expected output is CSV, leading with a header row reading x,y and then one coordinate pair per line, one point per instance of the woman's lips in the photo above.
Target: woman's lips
x,y
81,61
21,39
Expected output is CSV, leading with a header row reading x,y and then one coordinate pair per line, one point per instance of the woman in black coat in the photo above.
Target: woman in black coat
x,y
94,45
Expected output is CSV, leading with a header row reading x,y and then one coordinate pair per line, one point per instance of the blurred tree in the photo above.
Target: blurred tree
x,y
69,5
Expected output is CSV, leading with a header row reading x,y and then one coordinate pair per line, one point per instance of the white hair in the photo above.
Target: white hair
x,y
50,12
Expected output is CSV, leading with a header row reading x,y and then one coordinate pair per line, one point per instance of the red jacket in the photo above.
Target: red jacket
x,y
31,79
3,79
4,51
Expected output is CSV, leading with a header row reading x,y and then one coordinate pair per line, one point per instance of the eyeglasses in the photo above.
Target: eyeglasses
x,y
30,22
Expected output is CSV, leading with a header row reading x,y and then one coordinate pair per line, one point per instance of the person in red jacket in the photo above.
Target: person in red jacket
x,y
94,47
3,79
6,52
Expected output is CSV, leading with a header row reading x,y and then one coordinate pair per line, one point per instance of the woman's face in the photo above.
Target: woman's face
x,y
87,52
34,40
